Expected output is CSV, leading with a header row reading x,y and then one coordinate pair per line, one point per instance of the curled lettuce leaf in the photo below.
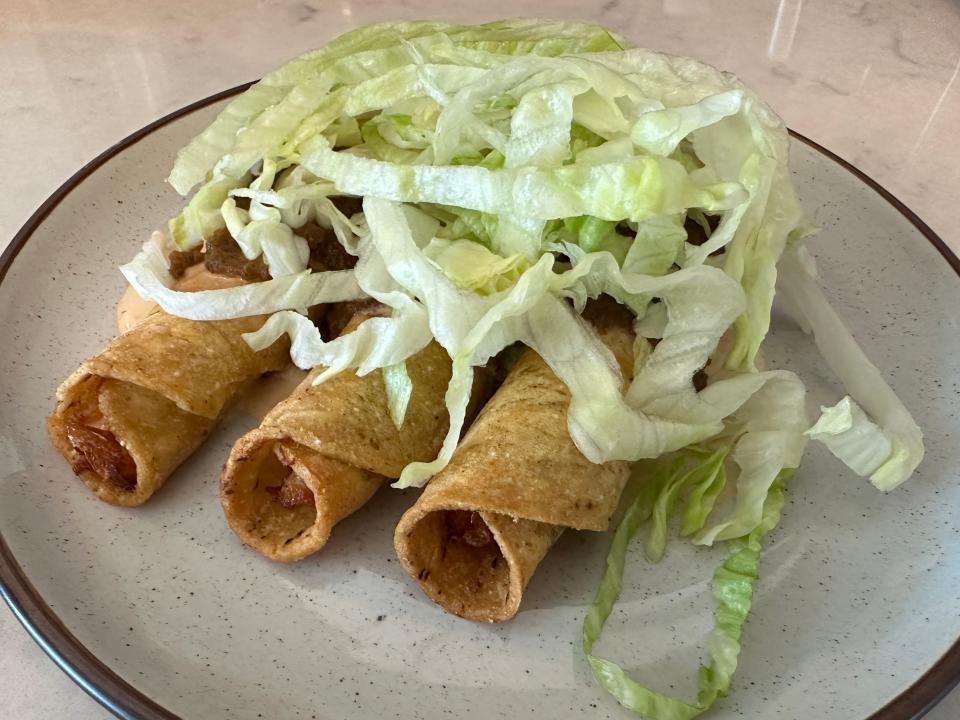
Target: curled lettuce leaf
x,y
472,266
703,482
893,461
850,435
202,217
148,274
659,132
770,428
732,586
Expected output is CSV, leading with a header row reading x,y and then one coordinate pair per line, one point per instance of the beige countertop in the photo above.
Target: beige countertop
x,y
876,82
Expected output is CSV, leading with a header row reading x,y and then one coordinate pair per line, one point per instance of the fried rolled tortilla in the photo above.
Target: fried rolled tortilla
x,y
481,527
323,452
127,417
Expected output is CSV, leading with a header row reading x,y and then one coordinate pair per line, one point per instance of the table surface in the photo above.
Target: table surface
x,y
876,82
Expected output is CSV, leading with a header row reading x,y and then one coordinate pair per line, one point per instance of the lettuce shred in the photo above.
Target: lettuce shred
x,y
509,173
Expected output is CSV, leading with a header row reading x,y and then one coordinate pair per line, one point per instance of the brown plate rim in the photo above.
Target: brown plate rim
x,y
126,702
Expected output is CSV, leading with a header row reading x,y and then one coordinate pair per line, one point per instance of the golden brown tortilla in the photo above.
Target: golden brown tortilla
x,y
481,527
323,452
129,416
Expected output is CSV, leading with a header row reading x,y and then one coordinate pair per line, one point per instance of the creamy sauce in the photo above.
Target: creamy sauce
x,y
132,308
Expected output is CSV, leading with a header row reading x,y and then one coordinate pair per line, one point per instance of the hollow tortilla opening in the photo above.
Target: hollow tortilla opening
x,y
457,560
283,498
96,451
95,446
120,438
266,522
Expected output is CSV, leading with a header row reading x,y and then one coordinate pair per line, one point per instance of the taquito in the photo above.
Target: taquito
x,y
322,453
126,418
474,538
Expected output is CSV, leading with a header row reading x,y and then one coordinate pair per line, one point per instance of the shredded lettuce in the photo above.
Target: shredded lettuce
x,y
377,343
732,585
510,173
769,431
893,461
472,266
202,217
850,435
659,186
399,387
271,109
705,479
148,274
660,131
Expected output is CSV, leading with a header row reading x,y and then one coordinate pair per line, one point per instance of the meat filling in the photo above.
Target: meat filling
x,y
102,453
469,527
180,260
339,315
222,256
292,493
326,252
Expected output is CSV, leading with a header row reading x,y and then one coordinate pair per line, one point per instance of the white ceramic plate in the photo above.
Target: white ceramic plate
x,y
160,612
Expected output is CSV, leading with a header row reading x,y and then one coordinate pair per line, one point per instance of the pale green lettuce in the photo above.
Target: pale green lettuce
x,y
850,435
732,585
148,274
510,173
860,446
201,218
399,387
472,266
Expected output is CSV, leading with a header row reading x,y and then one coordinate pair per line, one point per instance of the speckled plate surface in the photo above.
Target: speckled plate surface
x,y
160,612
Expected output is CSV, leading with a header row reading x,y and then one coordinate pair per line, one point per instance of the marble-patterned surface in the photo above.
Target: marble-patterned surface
x,y
874,81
